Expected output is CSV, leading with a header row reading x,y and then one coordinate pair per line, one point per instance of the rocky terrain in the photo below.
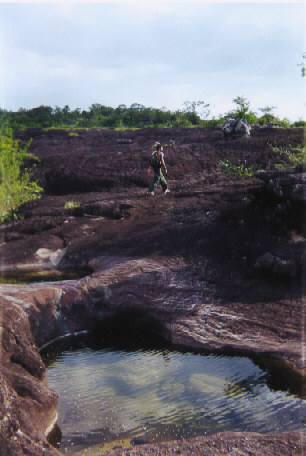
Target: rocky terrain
x,y
216,265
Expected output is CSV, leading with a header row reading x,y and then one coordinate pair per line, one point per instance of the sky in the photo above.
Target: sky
x,y
158,54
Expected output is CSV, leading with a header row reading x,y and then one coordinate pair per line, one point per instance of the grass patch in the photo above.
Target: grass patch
x,y
127,128
72,204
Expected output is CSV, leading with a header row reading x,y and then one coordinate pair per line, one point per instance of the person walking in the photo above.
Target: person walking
x,y
156,163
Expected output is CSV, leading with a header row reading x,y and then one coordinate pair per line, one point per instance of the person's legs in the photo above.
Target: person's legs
x,y
163,182
154,182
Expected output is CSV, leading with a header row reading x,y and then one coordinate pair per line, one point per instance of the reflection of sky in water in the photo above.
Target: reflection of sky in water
x,y
160,395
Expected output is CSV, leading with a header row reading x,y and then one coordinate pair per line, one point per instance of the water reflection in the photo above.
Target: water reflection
x,y
115,398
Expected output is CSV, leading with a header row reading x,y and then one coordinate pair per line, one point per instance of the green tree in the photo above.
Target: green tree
x,y
40,117
268,115
200,108
15,185
242,108
242,111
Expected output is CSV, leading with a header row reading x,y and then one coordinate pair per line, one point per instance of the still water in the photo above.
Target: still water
x,y
112,398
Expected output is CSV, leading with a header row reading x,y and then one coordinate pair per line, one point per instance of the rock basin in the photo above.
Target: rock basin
x,y
134,389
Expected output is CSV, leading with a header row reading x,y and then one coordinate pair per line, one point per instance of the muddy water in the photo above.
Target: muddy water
x,y
115,398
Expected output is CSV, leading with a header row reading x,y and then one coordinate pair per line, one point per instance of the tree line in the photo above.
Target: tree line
x,y
193,114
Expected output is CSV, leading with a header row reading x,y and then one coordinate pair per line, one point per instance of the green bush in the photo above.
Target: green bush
x,y
294,156
240,170
15,186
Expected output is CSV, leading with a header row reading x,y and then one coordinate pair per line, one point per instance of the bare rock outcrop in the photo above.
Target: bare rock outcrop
x,y
288,186
183,265
233,129
28,406
226,443
159,293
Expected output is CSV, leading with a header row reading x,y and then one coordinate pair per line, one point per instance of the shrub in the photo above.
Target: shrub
x,y
240,170
295,156
15,186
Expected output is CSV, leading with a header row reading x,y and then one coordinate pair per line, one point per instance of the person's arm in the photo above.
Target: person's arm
x,y
163,163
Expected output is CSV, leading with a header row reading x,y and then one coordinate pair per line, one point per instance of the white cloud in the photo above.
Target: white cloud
x,y
155,54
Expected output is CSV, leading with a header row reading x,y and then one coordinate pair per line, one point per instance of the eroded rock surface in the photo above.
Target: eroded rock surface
x,y
226,443
28,406
184,263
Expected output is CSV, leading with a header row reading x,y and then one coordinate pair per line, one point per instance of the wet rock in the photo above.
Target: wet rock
x,y
225,443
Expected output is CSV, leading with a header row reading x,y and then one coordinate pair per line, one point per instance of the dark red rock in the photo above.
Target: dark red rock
x,y
225,443
28,406
182,264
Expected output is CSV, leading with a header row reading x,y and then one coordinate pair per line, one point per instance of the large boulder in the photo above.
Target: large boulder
x,y
232,129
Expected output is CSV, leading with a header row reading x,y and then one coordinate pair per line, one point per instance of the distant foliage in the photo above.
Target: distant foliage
x,y
239,170
193,114
99,116
299,124
294,156
15,185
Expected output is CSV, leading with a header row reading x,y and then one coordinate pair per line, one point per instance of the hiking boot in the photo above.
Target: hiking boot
x,y
151,193
166,191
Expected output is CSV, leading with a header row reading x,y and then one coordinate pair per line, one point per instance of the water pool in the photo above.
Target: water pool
x,y
111,398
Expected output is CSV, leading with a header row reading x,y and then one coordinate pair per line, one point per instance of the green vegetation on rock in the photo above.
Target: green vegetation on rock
x,y
240,170
72,204
294,156
16,187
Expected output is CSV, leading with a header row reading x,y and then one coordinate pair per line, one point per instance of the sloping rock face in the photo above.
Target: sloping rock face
x,y
182,264
28,406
